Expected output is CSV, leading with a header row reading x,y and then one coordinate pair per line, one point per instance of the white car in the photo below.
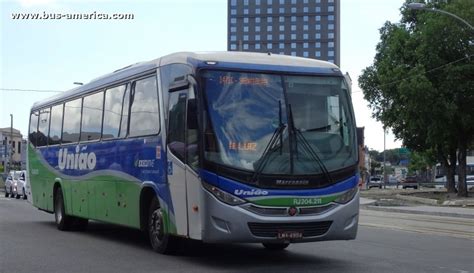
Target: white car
x,y
15,184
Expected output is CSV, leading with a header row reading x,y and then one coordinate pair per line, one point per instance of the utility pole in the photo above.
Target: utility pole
x,y
11,141
384,166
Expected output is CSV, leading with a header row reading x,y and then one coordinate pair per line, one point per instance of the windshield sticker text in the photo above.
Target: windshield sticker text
x,y
243,146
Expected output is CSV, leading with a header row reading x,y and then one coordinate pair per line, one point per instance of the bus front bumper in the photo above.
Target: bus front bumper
x,y
223,223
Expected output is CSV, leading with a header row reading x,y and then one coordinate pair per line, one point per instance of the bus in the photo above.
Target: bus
x,y
222,147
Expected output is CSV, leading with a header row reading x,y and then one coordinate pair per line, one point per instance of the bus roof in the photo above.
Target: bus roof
x,y
233,59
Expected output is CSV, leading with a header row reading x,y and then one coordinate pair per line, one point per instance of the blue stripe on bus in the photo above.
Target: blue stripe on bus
x,y
231,186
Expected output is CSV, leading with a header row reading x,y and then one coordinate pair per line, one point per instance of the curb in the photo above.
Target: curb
x,y
422,200
435,213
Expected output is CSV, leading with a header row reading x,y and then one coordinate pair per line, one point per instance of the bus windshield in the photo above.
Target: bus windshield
x,y
278,124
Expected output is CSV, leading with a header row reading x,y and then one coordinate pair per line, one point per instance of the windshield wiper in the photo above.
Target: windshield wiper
x,y
306,146
277,135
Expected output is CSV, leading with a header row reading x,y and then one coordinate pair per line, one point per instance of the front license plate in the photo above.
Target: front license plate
x,y
289,235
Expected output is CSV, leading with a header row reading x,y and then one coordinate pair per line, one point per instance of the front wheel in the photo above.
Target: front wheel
x,y
275,246
160,241
11,193
24,195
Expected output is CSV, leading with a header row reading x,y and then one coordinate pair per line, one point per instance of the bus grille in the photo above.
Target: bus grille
x,y
270,230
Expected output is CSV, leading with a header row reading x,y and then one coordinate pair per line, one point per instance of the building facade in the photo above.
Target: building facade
x,y
305,28
11,146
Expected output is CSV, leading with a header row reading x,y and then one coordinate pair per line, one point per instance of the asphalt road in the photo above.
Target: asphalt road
x,y
30,242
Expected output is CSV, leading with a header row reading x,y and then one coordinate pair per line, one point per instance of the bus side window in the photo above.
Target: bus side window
x,y
43,127
33,128
176,123
116,112
144,111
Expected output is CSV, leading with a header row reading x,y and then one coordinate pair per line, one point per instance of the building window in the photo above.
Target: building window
x,y
281,45
293,18
269,19
293,36
233,20
257,11
233,11
281,10
305,36
269,37
246,2
318,53
282,37
331,44
318,35
305,9
305,18
269,2
269,28
246,29
331,18
257,37
331,61
269,46
269,10
246,37
305,45
257,29
233,38
305,54
282,2
318,9
257,20
282,28
330,8
246,11
317,18
233,3
293,27
293,10
331,53
330,26
257,2
292,2
318,45
305,27
293,45
233,29
233,46
330,35
246,46
293,53
257,46
282,19
246,20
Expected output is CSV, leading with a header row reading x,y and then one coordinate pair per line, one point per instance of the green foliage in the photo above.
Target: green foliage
x,y
421,82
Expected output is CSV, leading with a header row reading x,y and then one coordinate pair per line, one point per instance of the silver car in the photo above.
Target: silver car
x,y
15,184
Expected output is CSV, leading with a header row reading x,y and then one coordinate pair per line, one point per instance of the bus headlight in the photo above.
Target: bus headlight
x,y
347,196
222,195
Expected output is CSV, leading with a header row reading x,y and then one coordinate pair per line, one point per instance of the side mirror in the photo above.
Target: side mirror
x,y
179,83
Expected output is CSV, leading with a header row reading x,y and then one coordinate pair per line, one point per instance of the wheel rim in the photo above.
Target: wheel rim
x,y
156,227
58,212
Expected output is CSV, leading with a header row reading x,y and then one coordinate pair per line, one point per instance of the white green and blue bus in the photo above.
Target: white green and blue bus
x,y
221,147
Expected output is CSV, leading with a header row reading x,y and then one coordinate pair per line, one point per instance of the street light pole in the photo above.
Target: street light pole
x,y
11,141
384,165
422,6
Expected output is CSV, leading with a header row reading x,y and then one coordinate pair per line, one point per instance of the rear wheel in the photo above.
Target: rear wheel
x,y
11,192
63,221
160,241
6,193
24,195
275,246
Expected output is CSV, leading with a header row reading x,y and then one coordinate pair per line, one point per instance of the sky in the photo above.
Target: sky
x,y
53,54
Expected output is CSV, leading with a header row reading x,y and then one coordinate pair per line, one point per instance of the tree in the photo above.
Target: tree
x,y
421,83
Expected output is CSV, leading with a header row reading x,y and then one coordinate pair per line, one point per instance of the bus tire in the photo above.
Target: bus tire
x,y
80,224
275,246
160,241
63,221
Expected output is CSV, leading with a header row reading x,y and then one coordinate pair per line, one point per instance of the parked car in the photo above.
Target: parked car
x,y
375,182
21,186
410,182
9,184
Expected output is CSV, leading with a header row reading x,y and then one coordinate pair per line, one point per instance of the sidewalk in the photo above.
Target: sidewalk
x,y
367,203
